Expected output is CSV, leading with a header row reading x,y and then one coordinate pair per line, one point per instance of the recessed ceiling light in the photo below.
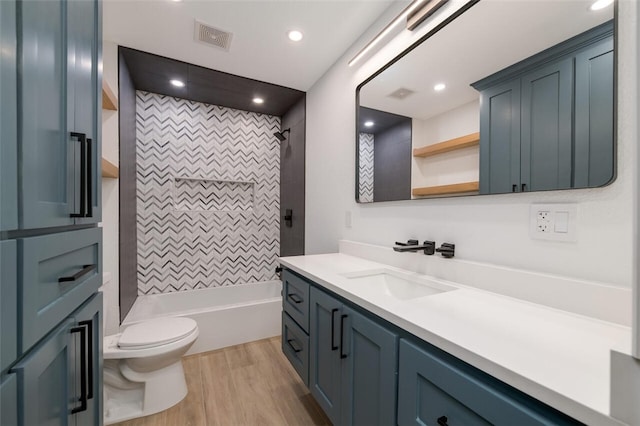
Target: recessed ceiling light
x,y
177,83
439,87
257,100
294,35
369,123
600,4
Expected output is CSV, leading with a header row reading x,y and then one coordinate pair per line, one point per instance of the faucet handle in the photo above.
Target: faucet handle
x,y
447,250
429,247
408,243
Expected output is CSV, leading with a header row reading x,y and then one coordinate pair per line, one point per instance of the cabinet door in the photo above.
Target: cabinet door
x,y
8,304
87,362
500,138
594,121
9,401
8,118
370,357
47,149
324,364
83,95
43,381
546,127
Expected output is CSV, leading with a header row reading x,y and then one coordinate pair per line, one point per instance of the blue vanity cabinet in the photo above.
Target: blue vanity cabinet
x,y
295,322
295,346
594,114
59,381
58,93
295,298
352,368
325,373
435,388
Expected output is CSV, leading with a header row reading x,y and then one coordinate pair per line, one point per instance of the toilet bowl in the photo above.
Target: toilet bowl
x,y
143,371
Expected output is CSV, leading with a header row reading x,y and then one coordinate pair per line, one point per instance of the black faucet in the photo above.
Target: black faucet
x,y
447,250
428,247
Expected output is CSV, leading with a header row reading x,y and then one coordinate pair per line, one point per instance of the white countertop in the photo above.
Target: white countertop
x,y
559,358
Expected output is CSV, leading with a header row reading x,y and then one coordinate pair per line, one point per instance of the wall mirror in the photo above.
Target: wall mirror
x,y
508,96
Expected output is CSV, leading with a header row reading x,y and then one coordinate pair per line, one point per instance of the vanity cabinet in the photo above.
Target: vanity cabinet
x,y
437,389
352,368
363,370
547,122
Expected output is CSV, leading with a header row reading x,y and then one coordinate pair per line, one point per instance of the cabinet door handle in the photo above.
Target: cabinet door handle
x,y
342,318
88,178
84,271
333,316
83,369
296,299
524,187
90,343
291,343
82,138
442,421
514,188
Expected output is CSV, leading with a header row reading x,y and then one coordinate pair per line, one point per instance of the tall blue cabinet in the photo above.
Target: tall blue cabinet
x,y
50,244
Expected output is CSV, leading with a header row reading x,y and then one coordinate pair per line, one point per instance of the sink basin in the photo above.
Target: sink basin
x,y
396,285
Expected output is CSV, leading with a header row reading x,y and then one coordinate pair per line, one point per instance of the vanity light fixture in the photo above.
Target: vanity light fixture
x,y
600,4
429,6
439,87
177,83
369,123
294,35
258,100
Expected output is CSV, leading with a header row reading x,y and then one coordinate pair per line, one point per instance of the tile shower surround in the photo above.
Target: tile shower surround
x,y
208,189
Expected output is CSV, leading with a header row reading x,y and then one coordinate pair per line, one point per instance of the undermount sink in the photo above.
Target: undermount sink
x,y
396,284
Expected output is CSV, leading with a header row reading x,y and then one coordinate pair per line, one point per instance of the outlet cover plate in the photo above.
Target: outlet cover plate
x,y
553,222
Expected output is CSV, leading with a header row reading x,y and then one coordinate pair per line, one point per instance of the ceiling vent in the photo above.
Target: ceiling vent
x,y
401,93
213,36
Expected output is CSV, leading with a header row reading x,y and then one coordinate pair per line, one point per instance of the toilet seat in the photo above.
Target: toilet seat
x,y
156,332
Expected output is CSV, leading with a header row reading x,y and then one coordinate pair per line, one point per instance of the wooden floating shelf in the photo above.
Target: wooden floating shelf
x,y
109,100
109,170
446,146
456,188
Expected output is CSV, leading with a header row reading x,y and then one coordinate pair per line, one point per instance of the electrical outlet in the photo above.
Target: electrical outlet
x,y
554,222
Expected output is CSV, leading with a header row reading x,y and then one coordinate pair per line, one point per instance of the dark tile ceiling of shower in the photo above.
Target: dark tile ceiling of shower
x,y
152,73
383,120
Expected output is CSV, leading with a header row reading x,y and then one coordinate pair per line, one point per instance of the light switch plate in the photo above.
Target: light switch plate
x,y
553,222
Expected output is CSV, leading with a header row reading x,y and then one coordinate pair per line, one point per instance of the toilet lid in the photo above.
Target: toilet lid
x,y
156,332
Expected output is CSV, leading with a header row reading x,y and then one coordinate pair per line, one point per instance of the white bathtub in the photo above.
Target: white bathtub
x,y
226,316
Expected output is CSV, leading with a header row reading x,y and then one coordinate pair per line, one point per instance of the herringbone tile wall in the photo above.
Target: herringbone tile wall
x,y
365,180
208,195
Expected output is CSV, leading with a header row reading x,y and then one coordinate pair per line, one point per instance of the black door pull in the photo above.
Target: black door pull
x,y
333,316
82,138
83,369
295,347
90,343
296,299
442,421
84,271
342,354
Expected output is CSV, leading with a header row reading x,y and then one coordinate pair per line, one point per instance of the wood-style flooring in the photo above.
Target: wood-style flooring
x,y
249,384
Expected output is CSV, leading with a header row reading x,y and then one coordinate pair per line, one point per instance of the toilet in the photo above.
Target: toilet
x,y
143,371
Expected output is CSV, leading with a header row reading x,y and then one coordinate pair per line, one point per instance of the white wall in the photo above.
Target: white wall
x,y
110,204
492,228
451,167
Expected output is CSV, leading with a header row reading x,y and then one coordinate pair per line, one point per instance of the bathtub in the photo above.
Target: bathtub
x,y
226,316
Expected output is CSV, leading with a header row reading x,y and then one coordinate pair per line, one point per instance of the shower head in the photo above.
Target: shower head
x,y
280,135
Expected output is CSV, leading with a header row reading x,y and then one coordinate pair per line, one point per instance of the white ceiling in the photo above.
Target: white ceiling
x,y
489,37
260,48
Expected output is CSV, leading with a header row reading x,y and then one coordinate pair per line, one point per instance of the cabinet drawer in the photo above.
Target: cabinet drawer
x,y
59,272
436,390
8,304
295,298
295,345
